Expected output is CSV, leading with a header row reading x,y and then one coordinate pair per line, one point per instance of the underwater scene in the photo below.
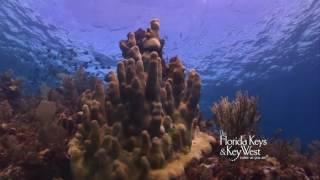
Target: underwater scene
x,y
159,90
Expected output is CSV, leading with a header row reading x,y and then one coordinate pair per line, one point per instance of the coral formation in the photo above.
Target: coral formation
x,y
37,126
10,94
10,88
142,123
238,117
28,153
142,120
284,161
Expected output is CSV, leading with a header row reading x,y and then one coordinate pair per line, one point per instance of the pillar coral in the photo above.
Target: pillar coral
x,y
143,119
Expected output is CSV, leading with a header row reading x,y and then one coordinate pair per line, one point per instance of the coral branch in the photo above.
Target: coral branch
x,y
238,117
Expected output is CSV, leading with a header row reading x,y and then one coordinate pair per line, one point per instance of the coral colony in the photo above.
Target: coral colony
x,y
144,122
145,119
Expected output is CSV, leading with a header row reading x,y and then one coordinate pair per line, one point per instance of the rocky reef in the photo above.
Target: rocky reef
x,y
283,158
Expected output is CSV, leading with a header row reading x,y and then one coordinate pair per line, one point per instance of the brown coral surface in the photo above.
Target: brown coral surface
x,y
144,119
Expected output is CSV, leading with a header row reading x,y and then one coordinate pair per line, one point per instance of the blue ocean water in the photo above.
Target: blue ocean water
x,y
271,49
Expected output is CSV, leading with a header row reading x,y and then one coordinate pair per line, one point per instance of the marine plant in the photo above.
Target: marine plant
x,y
238,117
